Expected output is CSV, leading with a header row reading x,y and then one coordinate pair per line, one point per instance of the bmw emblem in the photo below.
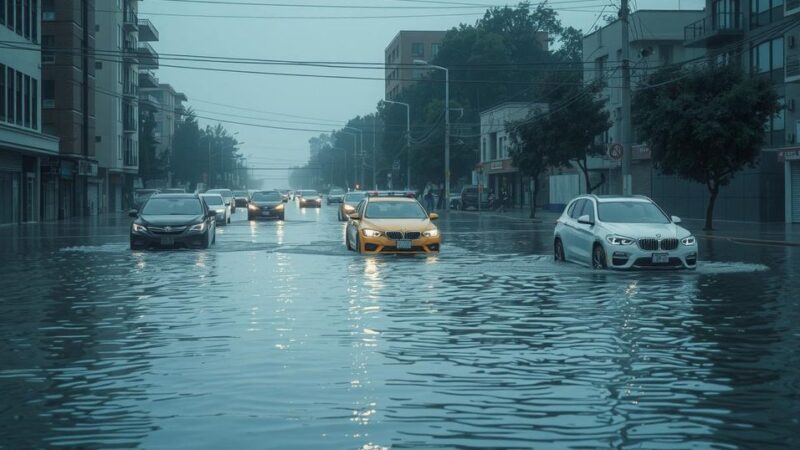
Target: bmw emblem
x,y
658,236
168,229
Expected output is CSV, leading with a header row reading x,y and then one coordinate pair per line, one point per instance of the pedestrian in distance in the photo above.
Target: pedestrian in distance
x,y
427,195
441,201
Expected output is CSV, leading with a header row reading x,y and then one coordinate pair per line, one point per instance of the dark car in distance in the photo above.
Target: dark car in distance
x,y
266,205
173,220
335,195
469,198
241,198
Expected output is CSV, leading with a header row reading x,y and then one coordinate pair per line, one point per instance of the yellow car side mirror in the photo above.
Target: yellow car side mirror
x,y
433,216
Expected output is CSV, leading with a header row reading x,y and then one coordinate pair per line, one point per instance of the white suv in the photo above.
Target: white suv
x,y
622,233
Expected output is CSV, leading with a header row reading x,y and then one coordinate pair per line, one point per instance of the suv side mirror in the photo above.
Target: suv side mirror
x,y
676,219
585,220
133,213
433,216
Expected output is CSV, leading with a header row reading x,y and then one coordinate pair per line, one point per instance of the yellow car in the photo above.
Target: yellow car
x,y
392,223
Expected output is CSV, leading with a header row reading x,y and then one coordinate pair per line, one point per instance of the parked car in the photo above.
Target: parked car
x,y
227,195
309,198
266,205
173,220
349,203
335,195
469,198
216,203
392,223
622,233
140,196
241,198
455,201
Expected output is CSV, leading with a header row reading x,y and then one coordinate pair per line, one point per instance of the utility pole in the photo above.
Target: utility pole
x,y
627,132
408,140
374,130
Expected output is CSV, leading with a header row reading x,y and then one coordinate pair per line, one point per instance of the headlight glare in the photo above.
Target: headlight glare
x,y
431,233
372,233
279,207
349,208
619,240
689,241
139,228
252,206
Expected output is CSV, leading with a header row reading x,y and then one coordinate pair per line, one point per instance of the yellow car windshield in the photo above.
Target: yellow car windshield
x,y
395,210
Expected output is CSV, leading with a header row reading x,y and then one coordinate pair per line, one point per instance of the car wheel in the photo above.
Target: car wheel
x,y
558,251
358,243
598,257
207,241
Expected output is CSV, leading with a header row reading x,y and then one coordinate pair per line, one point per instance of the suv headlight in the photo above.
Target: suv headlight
x,y
619,240
198,227
252,206
431,233
689,241
372,233
139,228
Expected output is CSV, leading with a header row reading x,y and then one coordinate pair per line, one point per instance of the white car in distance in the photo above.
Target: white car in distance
x,y
617,232
217,203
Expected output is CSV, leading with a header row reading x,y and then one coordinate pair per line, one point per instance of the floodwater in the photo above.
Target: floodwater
x,y
277,337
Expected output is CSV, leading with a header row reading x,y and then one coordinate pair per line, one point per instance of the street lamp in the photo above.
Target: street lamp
x,y
421,62
360,151
408,140
346,181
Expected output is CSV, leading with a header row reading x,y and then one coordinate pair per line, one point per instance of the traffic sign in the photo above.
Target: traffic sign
x,y
615,151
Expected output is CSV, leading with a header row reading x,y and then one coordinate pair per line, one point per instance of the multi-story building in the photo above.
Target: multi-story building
x,y
23,146
656,39
68,94
496,171
400,54
166,105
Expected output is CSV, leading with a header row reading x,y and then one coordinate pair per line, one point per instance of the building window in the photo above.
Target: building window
x,y
767,56
779,119
34,21
26,19
762,12
777,53
48,42
48,10
10,13
27,106
418,50
18,91
34,103
10,94
2,12
435,49
98,65
18,22
2,93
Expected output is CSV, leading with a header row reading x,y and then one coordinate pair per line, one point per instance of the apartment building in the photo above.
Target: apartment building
x,y
23,146
400,54
656,39
761,36
166,105
68,99
496,171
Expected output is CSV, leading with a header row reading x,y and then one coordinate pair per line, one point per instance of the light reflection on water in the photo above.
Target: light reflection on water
x,y
278,337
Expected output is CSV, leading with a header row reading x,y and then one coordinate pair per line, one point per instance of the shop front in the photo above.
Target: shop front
x,y
502,176
791,161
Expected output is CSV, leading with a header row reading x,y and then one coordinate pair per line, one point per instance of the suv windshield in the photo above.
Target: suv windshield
x,y
354,197
212,200
630,212
395,210
266,197
172,207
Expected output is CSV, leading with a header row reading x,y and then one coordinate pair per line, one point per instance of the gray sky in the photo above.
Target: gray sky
x,y
317,103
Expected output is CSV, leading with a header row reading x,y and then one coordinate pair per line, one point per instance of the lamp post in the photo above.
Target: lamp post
x,y
408,140
346,181
446,124
361,153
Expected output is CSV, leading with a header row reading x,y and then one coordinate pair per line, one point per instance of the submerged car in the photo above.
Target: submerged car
x,y
173,220
335,195
266,205
216,203
392,223
241,198
622,233
309,198
227,195
349,203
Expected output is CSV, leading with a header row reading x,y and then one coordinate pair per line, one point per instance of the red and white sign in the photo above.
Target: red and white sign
x,y
615,151
792,154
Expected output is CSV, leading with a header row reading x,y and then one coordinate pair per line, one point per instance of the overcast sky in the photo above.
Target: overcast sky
x,y
291,33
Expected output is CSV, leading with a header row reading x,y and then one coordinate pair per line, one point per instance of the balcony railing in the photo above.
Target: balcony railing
x,y
129,121
792,68
130,158
149,103
148,57
147,31
148,79
792,6
713,29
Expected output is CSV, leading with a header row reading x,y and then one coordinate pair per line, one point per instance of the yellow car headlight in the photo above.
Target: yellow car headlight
x,y
372,233
431,233
349,208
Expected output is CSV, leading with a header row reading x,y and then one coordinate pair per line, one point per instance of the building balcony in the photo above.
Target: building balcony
x,y
148,58
130,160
129,122
714,30
130,54
149,103
129,89
147,79
793,68
792,7
130,20
147,31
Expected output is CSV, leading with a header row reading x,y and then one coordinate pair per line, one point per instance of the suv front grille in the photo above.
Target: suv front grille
x,y
655,244
394,235
648,244
669,244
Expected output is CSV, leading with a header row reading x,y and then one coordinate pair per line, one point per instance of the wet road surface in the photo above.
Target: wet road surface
x,y
277,337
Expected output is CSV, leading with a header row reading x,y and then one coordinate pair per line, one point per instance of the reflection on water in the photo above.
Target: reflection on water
x,y
278,337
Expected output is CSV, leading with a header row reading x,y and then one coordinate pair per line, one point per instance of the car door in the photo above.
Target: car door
x,y
584,233
569,232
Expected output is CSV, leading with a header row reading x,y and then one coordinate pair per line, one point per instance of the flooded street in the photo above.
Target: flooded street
x,y
277,337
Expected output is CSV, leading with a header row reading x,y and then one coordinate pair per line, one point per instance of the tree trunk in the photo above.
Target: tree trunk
x,y
534,194
585,169
713,190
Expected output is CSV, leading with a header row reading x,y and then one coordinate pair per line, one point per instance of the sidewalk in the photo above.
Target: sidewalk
x,y
781,234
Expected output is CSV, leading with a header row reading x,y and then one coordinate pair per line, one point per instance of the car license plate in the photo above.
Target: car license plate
x,y
167,241
660,258
404,245
265,213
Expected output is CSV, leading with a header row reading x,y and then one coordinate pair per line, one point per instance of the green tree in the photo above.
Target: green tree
x,y
188,162
150,165
533,150
704,125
